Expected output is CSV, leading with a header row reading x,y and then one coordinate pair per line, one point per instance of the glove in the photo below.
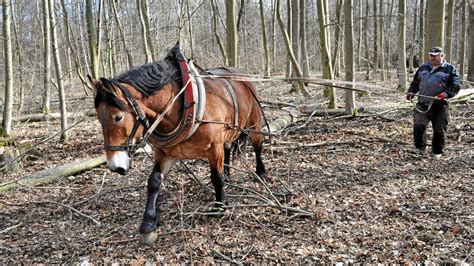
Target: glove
x,y
442,96
410,95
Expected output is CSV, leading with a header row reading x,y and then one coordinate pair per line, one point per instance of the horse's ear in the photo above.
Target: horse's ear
x,y
108,86
92,81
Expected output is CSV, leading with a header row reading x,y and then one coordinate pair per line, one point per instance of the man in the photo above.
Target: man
x,y
435,81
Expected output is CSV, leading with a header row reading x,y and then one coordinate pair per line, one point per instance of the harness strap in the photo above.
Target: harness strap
x,y
231,92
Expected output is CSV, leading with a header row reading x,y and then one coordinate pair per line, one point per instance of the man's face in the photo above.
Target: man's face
x,y
436,59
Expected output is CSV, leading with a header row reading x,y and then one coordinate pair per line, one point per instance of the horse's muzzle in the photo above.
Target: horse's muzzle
x,y
120,163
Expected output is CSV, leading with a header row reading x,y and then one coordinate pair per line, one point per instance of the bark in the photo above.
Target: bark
x,y
19,53
93,41
280,123
376,38
349,55
121,32
421,40
434,24
46,58
381,61
366,41
232,37
462,50
266,64
215,14
295,38
142,7
50,175
59,74
325,51
304,50
449,32
402,69
337,38
470,67
289,50
7,48
190,29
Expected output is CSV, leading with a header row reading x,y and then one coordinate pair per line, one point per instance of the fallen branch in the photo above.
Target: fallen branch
x,y
279,104
49,175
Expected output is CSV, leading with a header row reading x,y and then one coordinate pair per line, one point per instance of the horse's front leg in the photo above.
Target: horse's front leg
x,y
151,216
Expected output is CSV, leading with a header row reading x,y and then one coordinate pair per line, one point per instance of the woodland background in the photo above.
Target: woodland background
x,y
363,196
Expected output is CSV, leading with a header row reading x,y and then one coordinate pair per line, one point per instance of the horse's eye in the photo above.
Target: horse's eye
x,y
117,118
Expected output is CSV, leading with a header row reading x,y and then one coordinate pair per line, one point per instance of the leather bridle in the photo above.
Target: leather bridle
x,y
141,119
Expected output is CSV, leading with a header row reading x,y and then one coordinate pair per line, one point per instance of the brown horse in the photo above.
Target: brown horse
x,y
128,104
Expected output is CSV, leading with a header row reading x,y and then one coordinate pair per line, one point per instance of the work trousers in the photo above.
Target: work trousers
x,y
439,117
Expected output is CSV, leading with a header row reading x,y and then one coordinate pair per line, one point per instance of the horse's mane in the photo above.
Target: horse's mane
x,y
150,78
147,79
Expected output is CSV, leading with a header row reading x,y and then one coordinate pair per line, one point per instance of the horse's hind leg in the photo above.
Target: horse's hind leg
x,y
216,162
151,216
257,143
227,153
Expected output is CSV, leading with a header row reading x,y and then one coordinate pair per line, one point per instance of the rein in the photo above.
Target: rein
x,y
432,99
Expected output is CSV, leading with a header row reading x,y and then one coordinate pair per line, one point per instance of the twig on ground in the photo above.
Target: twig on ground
x,y
55,203
224,257
10,228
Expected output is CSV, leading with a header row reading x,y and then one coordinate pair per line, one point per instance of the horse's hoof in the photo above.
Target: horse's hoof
x,y
148,238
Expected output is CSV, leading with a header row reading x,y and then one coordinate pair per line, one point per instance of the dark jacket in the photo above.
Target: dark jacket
x,y
431,83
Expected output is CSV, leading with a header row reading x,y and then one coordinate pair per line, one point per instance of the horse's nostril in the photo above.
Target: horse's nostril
x,y
121,170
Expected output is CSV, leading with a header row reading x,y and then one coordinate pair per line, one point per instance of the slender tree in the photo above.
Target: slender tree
x,y
325,51
142,7
470,67
215,15
421,40
289,50
46,57
449,31
7,48
58,70
402,68
304,48
232,37
121,32
266,65
349,55
462,50
92,34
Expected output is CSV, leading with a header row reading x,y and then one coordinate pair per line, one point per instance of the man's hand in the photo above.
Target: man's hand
x,y
410,95
442,96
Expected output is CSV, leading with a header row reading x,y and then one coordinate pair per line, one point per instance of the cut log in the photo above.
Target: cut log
x,y
49,175
281,123
316,110
44,117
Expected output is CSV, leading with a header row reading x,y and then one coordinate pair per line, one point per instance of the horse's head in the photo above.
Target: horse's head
x,y
119,123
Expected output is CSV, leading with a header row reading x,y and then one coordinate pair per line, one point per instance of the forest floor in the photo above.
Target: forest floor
x,y
370,198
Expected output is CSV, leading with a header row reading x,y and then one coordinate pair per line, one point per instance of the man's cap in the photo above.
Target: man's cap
x,y
436,51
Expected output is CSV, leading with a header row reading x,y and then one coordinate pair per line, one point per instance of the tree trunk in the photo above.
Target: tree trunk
x,y
19,53
449,32
337,38
190,29
421,51
359,39
289,50
93,41
122,35
215,14
7,47
232,37
72,46
266,65
304,50
142,7
295,39
376,38
462,53
366,41
434,24
381,61
349,55
325,52
402,68
59,74
470,61
46,58
411,59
